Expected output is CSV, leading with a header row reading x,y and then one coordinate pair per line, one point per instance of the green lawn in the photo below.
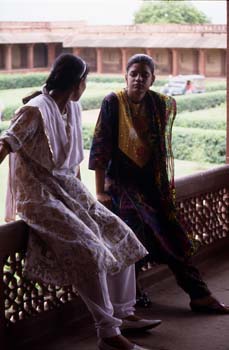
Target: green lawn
x,y
14,96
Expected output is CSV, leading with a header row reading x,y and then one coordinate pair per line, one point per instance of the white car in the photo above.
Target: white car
x,y
183,84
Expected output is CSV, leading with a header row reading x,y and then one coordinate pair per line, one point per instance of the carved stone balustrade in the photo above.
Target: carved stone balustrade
x,y
203,204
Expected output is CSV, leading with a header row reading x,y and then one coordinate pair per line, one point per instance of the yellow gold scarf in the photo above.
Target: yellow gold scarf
x,y
130,141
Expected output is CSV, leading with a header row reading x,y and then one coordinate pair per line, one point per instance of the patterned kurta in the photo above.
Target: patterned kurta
x,y
135,152
72,235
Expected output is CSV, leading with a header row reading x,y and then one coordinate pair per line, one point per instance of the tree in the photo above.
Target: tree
x,y
169,11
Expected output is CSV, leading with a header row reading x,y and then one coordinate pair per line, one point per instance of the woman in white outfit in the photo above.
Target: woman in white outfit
x,y
73,238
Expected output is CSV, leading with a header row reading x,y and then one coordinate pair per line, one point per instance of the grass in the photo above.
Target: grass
x,y
15,95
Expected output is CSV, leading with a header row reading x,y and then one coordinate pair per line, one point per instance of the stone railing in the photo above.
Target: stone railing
x,y
203,203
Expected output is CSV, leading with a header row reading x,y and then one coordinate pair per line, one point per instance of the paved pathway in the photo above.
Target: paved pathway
x,y
181,329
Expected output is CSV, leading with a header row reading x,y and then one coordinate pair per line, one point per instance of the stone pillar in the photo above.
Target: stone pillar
x,y
51,54
175,62
227,59
202,62
8,57
224,62
149,52
30,56
124,60
99,54
76,51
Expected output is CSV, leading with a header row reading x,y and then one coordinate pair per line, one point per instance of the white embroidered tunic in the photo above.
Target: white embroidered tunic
x,y
72,235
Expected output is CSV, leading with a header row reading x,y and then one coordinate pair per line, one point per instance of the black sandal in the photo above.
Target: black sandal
x,y
215,307
143,300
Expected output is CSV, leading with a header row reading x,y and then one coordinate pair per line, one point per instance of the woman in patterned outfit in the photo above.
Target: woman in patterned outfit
x,y
73,238
132,158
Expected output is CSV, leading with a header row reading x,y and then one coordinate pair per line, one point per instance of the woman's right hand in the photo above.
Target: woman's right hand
x,y
104,199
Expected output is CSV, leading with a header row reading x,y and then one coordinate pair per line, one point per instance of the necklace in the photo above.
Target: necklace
x,y
135,110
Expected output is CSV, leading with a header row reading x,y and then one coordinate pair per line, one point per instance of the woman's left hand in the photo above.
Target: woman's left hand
x,y
105,199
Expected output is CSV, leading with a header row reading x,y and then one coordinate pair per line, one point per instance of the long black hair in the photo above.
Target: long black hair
x,y
67,71
141,58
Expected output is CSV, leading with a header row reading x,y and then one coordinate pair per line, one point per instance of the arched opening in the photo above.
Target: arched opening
x,y
19,56
40,55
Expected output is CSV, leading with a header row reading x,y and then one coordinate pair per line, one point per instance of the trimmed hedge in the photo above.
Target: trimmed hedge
x,y
188,143
88,132
9,112
199,145
200,101
184,103
213,118
216,86
91,102
16,81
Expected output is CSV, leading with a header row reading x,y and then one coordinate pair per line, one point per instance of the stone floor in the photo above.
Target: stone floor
x,y
181,329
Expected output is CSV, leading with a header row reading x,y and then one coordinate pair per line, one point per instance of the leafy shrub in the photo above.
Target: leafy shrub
x,y
190,103
91,102
105,78
199,145
188,143
88,132
9,112
200,101
212,118
16,81
216,86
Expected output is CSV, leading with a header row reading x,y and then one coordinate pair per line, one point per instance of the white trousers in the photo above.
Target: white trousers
x,y
109,299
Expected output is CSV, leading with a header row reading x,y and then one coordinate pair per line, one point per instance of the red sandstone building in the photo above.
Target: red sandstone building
x,y
176,49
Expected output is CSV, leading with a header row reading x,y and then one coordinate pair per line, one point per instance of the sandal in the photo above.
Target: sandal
x,y
143,301
214,307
